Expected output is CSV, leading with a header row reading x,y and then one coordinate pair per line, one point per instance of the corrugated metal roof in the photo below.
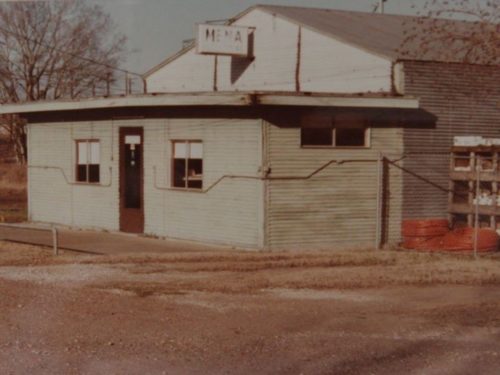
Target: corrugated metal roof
x,y
385,34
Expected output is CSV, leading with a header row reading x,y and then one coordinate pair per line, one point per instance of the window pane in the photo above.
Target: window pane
x,y
196,150
195,173
321,136
179,177
354,137
81,173
95,153
82,153
180,150
94,173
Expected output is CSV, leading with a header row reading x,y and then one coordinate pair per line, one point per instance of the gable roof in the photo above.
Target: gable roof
x,y
385,35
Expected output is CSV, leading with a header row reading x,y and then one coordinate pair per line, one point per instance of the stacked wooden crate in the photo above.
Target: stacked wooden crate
x,y
474,186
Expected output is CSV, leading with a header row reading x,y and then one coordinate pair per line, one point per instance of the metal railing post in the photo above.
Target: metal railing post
x,y
378,219
55,241
476,208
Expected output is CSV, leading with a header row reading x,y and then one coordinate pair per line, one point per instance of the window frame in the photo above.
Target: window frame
x,y
186,159
367,140
87,164
364,124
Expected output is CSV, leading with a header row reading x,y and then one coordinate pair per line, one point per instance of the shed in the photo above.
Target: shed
x,y
320,136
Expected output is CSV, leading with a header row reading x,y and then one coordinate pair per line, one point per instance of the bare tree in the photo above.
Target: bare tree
x,y
475,42
51,50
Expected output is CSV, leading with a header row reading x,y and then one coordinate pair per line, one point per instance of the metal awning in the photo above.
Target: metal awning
x,y
214,99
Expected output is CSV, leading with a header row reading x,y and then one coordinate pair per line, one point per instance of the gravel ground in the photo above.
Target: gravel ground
x,y
359,312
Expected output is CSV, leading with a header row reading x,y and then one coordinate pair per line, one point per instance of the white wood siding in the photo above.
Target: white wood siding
x,y
326,65
337,207
275,51
232,213
190,72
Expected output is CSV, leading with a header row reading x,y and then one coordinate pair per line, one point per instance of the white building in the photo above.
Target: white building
x,y
278,147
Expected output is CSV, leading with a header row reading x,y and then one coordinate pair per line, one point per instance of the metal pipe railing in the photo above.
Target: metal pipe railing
x,y
68,182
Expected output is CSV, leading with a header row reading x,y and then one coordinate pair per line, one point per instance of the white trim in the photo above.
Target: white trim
x,y
163,100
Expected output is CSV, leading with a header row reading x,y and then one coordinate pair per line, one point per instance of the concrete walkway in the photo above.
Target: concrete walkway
x,y
101,243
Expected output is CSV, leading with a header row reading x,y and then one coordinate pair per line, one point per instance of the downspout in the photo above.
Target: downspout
x,y
299,56
216,63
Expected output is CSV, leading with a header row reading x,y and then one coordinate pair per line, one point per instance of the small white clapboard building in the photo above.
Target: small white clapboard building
x,y
269,132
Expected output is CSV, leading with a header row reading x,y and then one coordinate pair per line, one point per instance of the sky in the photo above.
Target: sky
x,y
156,28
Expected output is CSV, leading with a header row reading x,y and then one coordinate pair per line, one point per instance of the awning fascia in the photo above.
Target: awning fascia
x,y
211,99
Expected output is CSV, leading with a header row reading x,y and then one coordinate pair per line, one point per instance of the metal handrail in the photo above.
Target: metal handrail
x,y
261,178
68,182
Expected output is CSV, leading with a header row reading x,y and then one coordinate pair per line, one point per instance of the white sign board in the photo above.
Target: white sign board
x,y
223,40
132,139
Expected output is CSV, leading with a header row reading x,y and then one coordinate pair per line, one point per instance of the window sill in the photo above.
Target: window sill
x,y
189,190
337,147
80,183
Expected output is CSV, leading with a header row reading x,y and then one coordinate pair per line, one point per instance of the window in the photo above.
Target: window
x,y
88,160
317,134
350,136
341,130
187,164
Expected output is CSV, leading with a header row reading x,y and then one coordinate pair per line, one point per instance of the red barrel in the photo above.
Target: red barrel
x,y
463,240
425,228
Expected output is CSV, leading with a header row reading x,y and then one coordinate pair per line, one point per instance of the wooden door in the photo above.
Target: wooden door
x,y
131,180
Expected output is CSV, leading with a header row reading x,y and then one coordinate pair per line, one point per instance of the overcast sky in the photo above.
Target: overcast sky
x,y
156,28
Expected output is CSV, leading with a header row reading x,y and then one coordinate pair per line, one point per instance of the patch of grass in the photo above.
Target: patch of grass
x,y
13,214
13,196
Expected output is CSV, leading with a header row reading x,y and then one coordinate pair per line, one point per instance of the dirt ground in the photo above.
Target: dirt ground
x,y
222,312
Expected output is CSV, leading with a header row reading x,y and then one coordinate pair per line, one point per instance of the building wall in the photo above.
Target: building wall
x,y
328,65
464,98
189,72
52,198
338,206
324,65
231,213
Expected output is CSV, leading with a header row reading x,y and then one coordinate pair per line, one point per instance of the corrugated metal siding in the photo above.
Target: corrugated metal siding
x,y
336,207
231,213
51,198
465,100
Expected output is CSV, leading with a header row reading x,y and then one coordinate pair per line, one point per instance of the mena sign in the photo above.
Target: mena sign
x,y
223,40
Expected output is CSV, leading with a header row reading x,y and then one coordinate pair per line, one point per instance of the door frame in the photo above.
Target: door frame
x,y
136,225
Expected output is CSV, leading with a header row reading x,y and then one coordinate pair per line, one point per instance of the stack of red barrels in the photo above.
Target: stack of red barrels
x,y
435,235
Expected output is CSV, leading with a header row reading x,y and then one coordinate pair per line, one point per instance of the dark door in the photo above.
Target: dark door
x,y
131,180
